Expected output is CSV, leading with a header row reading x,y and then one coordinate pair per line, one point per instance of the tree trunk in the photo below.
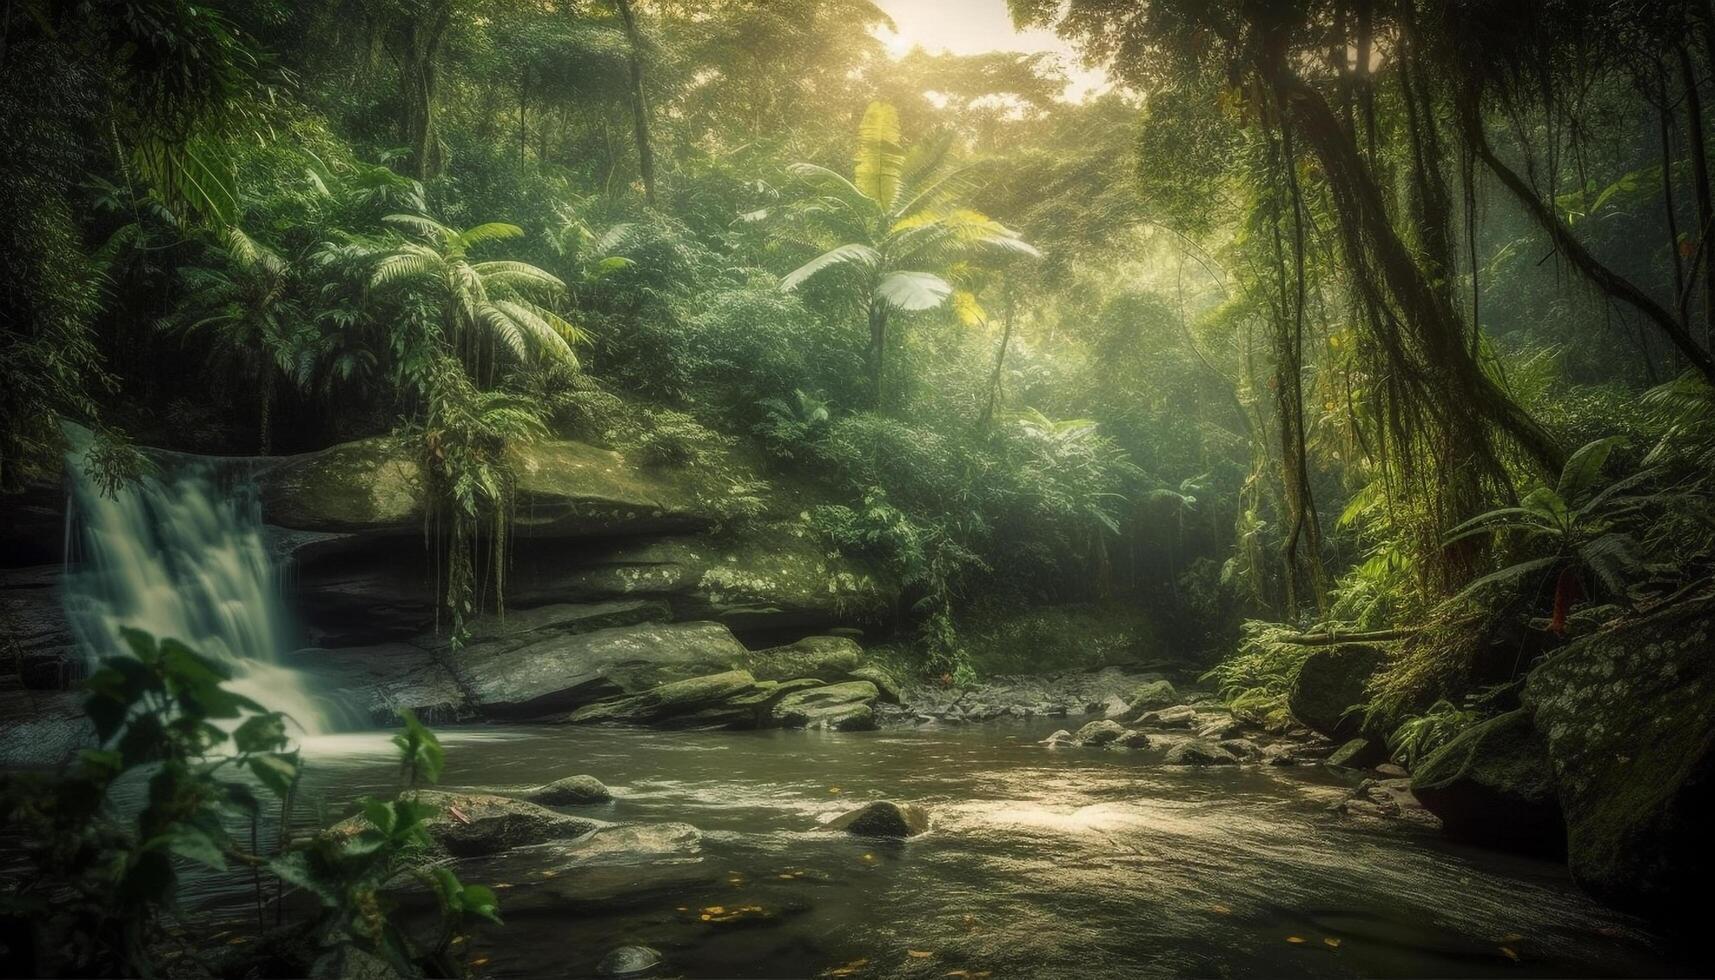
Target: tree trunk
x,y
1467,395
1610,282
1700,183
878,354
639,104
1664,121
421,48
999,363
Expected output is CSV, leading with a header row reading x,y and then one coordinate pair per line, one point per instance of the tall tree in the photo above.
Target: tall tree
x,y
639,101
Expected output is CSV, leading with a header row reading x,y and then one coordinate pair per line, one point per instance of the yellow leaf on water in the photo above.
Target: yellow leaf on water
x,y
918,954
1295,939
1512,937
1331,942
237,940
835,790
1220,910
1510,953
479,961
682,908
784,877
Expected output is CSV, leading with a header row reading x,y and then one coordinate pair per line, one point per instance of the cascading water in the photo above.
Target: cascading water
x,y
180,553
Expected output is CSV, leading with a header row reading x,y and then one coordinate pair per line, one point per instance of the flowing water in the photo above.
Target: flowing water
x,y
1040,863
180,554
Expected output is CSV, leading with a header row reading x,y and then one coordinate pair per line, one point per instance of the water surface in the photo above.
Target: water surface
x,y
1041,863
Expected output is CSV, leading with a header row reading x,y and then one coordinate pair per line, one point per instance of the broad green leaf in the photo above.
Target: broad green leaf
x,y
189,842
1545,505
913,291
261,733
880,160
277,771
1585,466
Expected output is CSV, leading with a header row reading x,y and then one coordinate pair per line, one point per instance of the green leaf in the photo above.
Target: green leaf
x,y
1585,466
1509,574
880,160
277,771
297,868
1547,506
421,750
480,900
261,733
189,842
914,291
378,813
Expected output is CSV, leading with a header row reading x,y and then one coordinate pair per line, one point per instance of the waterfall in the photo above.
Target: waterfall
x,y
180,553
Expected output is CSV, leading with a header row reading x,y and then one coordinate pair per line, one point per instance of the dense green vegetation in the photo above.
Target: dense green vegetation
x,y
1339,317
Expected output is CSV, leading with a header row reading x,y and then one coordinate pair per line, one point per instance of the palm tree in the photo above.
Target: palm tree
x,y
492,301
246,303
893,228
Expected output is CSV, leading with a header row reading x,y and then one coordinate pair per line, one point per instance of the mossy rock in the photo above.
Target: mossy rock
x,y
662,703
581,790
827,658
368,485
845,707
1492,785
1334,680
1629,718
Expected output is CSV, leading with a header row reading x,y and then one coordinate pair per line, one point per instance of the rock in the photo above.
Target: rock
x,y
1221,729
570,791
1114,707
1099,733
1131,740
487,824
347,961
378,682
883,818
1629,718
1391,771
829,659
629,961
845,707
1331,681
668,702
562,673
41,729
1243,748
887,687
1060,737
1281,754
39,640
1182,716
564,489
1198,752
1152,695
1492,784
1358,753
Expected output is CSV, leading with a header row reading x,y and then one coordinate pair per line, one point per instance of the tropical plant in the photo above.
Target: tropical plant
x,y
482,305
892,229
104,873
1419,736
246,305
1582,531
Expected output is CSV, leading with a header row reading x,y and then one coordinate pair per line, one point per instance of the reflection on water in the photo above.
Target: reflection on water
x,y
1040,863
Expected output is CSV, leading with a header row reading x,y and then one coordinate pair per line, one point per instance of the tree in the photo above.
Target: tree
x,y
896,222
257,328
639,104
481,305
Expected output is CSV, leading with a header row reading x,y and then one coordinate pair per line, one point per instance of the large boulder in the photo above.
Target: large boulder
x,y
1629,718
564,672
826,658
883,818
1332,680
563,489
1493,785
1148,697
478,824
667,702
846,707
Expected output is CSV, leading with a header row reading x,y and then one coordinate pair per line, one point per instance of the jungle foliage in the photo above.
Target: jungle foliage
x,y
1304,321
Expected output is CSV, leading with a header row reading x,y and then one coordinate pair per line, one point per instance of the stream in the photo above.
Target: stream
x,y
1040,863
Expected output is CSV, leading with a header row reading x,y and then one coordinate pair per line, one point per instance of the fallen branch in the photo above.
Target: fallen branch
x,y
1329,639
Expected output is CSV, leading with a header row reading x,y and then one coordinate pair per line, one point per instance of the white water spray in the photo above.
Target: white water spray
x,y
181,554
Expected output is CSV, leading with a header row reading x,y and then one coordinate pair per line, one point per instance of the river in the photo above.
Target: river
x,y
1040,863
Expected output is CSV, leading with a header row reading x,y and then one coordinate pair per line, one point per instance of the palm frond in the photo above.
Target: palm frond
x,y
850,254
880,160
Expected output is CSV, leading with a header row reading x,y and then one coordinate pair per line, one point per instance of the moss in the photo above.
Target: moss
x,y
371,484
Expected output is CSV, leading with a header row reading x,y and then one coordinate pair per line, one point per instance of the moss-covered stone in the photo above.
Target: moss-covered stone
x,y
1492,785
1629,718
668,701
1331,682
845,707
368,485
883,818
827,658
